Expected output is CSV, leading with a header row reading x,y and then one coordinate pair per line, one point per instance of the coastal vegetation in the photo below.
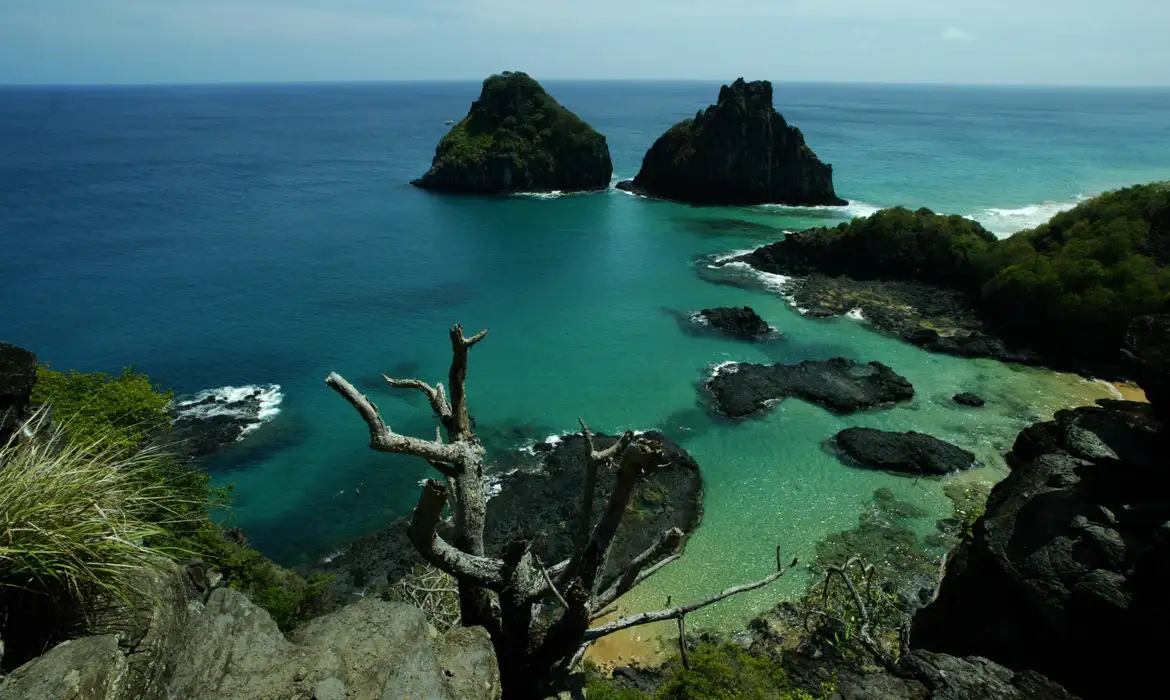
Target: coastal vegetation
x,y
94,503
1066,289
518,138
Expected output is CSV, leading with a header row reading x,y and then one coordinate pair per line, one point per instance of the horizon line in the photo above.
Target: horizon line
x,y
388,81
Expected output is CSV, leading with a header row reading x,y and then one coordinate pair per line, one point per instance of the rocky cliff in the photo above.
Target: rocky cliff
x,y
517,138
1068,569
216,645
737,151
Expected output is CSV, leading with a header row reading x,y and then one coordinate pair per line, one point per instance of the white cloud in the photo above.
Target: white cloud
x,y
956,34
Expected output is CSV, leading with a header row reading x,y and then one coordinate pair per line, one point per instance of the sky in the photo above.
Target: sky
x,y
1034,42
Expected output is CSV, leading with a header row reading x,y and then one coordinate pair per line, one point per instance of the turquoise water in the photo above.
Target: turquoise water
x,y
218,236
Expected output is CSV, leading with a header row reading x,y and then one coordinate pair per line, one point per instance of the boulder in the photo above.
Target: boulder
x,y
1067,570
743,322
840,385
922,675
368,651
18,374
968,399
737,151
517,138
90,668
908,453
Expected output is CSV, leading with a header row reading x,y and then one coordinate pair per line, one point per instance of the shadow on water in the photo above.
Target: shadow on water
x,y
419,300
286,431
740,228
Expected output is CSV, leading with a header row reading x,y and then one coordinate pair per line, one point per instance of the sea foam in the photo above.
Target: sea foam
x,y
852,210
229,401
1005,222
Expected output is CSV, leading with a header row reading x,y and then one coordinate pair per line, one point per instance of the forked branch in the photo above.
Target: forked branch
x,y
383,439
636,572
436,395
460,417
423,532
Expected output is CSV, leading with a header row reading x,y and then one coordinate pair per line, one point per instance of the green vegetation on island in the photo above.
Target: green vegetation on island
x,y
1066,289
518,138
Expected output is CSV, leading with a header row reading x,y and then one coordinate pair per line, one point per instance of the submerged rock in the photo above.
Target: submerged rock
x,y
517,138
840,385
1066,571
545,504
737,151
743,322
18,374
968,399
909,453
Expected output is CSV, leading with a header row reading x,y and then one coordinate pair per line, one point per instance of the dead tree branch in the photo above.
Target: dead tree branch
x,y
436,395
423,532
842,572
634,574
646,618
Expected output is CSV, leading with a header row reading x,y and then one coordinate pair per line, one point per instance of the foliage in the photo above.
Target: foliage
x,y
288,597
1093,267
81,519
832,614
121,411
517,121
718,671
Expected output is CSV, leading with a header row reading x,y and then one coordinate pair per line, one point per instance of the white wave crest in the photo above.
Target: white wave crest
x,y
723,258
1005,222
1111,388
728,367
259,402
554,194
852,210
774,282
855,314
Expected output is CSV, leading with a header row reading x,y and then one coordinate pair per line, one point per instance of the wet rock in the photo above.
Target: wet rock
x,y
743,322
909,453
840,385
969,399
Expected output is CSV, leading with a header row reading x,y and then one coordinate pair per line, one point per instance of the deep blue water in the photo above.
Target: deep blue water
x,y
217,236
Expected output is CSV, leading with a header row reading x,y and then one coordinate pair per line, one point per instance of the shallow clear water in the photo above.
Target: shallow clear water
x,y
218,236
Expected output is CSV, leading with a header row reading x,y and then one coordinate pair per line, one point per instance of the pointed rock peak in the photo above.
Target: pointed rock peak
x,y
754,95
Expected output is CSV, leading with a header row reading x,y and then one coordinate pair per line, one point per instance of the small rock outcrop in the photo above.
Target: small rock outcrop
x,y
922,675
908,453
517,138
18,374
1067,570
840,385
968,399
90,668
211,420
738,151
742,322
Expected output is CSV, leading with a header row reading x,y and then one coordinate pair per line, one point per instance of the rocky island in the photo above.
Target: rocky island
x,y
738,151
1058,295
518,138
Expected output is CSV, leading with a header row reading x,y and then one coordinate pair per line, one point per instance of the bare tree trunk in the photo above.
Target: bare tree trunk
x,y
535,650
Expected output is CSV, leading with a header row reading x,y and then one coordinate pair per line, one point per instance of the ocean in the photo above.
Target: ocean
x,y
236,236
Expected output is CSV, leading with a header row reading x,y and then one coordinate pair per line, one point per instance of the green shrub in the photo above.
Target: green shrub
x,y
717,672
121,411
288,597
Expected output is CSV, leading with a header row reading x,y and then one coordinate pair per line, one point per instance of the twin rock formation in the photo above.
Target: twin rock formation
x,y
518,138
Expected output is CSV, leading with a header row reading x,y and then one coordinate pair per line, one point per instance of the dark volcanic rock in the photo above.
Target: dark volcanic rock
x,y
18,374
910,453
922,675
1147,355
738,151
1067,570
840,385
211,421
743,322
517,138
545,505
968,399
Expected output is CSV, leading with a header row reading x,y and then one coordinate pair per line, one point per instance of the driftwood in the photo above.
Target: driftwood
x,y
538,617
